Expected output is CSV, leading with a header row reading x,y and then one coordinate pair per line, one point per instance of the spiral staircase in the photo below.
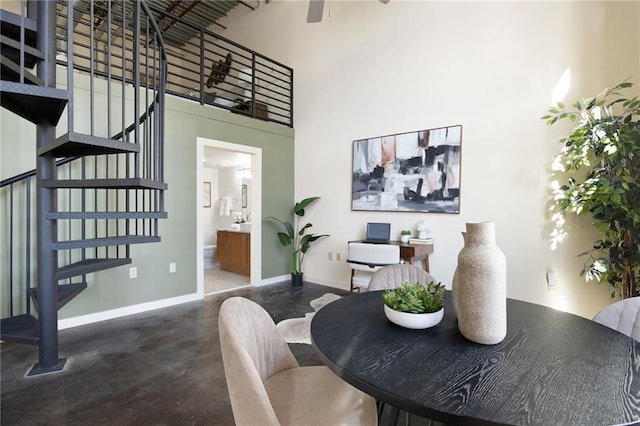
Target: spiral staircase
x,y
98,188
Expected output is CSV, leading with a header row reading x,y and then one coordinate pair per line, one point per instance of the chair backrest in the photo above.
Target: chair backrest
x,y
365,258
623,316
391,276
369,257
252,351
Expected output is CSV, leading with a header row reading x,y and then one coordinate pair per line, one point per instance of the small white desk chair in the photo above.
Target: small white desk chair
x,y
364,259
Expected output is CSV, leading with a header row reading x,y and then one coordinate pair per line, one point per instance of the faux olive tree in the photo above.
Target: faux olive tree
x,y
601,157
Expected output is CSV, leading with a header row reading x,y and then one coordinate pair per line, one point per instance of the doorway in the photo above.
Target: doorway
x,y
229,179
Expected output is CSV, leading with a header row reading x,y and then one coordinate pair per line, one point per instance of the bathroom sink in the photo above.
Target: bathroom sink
x,y
245,227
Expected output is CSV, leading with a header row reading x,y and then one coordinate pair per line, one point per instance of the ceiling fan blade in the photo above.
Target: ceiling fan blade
x,y
315,11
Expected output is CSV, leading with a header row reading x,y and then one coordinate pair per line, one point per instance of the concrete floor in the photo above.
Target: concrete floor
x,y
158,368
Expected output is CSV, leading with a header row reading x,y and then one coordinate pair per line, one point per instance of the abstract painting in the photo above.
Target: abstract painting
x,y
414,171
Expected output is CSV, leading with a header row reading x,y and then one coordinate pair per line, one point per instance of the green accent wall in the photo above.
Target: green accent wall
x,y
185,122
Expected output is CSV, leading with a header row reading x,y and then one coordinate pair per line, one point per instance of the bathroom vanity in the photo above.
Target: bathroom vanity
x,y
234,251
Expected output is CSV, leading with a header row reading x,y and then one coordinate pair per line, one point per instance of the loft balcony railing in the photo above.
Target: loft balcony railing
x,y
207,68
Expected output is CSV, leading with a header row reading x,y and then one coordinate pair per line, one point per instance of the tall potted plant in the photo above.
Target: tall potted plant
x,y
296,238
602,156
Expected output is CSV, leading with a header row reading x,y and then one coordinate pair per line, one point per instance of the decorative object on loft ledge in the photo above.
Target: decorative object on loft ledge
x,y
206,194
415,172
246,108
219,71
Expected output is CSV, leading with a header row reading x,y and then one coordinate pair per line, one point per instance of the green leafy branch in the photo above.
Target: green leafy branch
x,y
602,157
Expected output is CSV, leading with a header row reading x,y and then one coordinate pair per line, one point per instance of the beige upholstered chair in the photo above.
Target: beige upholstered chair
x,y
623,316
391,276
266,385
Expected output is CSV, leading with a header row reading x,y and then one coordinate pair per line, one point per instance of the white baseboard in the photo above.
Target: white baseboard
x,y
122,312
329,283
273,280
164,303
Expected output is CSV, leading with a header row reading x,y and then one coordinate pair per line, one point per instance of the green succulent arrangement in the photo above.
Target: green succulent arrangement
x,y
415,298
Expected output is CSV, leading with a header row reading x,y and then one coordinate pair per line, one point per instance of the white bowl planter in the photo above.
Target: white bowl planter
x,y
415,321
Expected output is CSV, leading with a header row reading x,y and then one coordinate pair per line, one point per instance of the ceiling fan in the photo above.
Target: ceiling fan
x,y
316,7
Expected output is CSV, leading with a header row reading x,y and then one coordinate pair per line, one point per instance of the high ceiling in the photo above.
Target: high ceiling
x,y
178,20
199,13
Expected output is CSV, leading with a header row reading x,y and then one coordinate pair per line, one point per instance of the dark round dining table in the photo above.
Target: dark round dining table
x,y
553,367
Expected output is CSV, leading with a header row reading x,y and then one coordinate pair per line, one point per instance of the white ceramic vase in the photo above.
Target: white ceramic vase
x,y
482,286
454,285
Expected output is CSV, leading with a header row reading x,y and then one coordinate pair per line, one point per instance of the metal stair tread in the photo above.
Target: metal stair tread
x,y
88,266
10,27
107,215
10,48
20,329
34,103
123,183
79,145
106,241
66,292
10,71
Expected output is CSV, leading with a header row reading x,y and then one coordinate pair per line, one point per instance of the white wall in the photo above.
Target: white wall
x,y
111,293
230,186
210,214
373,69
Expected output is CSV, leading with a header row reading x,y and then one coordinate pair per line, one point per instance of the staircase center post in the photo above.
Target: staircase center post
x,y
46,201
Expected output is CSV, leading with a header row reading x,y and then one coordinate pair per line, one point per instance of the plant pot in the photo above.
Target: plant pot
x,y
404,238
296,280
414,321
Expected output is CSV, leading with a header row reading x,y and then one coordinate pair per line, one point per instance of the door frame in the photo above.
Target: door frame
x,y
256,210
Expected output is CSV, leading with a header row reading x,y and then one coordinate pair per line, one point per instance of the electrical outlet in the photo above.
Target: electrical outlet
x,y
338,257
551,280
330,256
172,267
133,272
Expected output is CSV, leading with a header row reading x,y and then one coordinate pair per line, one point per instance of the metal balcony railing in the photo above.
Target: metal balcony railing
x,y
207,68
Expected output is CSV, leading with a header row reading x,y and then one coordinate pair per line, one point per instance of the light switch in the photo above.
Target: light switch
x,y
551,280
